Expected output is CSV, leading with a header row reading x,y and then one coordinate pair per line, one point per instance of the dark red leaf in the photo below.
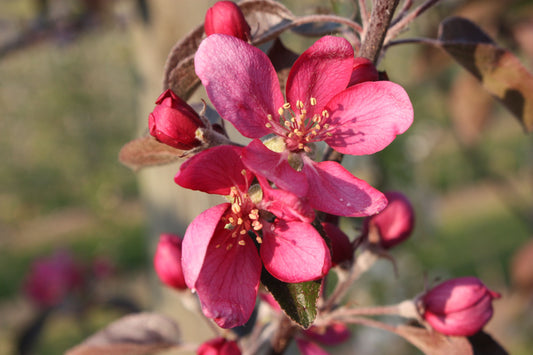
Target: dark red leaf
x,y
139,333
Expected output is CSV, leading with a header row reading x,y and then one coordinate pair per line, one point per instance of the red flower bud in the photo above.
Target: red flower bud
x,y
219,346
395,223
167,261
459,306
51,279
341,248
174,122
363,70
333,334
225,17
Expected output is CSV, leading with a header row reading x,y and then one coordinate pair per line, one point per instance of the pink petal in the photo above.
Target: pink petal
x,y
307,347
285,205
294,251
228,282
240,82
215,171
366,117
334,190
274,166
320,72
196,239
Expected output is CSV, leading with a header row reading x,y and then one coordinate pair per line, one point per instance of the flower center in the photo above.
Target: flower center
x,y
297,128
242,217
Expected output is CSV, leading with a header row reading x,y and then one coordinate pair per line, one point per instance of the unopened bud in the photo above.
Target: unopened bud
x,y
225,17
459,306
167,261
219,346
174,122
395,223
363,70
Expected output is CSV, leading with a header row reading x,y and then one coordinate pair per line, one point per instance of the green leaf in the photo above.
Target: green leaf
x,y
498,70
298,300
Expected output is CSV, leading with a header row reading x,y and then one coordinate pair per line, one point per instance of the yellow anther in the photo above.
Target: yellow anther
x,y
230,245
243,231
269,117
317,126
293,119
307,149
256,225
280,111
326,126
239,221
235,208
329,134
231,220
243,172
300,146
299,104
325,113
290,135
287,124
268,125
303,112
286,105
313,101
242,242
253,215
218,246
259,239
299,133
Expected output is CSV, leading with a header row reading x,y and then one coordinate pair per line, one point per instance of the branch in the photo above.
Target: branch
x,y
374,35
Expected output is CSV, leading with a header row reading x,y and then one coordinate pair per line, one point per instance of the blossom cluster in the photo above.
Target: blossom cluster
x,y
277,191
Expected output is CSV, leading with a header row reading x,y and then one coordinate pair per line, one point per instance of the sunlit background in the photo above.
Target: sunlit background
x,y
77,81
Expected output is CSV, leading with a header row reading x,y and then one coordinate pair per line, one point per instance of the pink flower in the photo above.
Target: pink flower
x,y
459,306
362,119
395,223
219,346
333,334
174,122
167,261
52,279
220,256
225,17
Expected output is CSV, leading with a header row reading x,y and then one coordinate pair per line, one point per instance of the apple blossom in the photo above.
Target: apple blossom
x,y
219,346
242,84
220,248
226,17
167,261
459,306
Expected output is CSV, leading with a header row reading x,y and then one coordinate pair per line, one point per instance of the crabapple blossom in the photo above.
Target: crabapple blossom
x,y
220,248
395,223
226,17
242,84
219,346
174,122
167,261
460,306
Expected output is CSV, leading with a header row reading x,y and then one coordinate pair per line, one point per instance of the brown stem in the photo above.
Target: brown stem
x,y
283,335
380,18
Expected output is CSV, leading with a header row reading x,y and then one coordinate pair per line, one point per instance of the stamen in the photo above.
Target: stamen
x,y
235,208
259,239
268,125
230,245
286,105
325,113
269,117
280,111
242,242
239,221
299,104
242,232
313,101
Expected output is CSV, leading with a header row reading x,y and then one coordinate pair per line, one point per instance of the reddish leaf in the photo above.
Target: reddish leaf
x,y
179,69
146,151
499,71
433,343
266,18
139,333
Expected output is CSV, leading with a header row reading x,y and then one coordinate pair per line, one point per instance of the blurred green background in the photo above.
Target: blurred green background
x,y
69,88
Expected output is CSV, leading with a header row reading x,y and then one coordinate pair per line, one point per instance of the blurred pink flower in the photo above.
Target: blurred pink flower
x,y
219,346
51,279
226,17
167,261
395,223
220,258
459,306
242,84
